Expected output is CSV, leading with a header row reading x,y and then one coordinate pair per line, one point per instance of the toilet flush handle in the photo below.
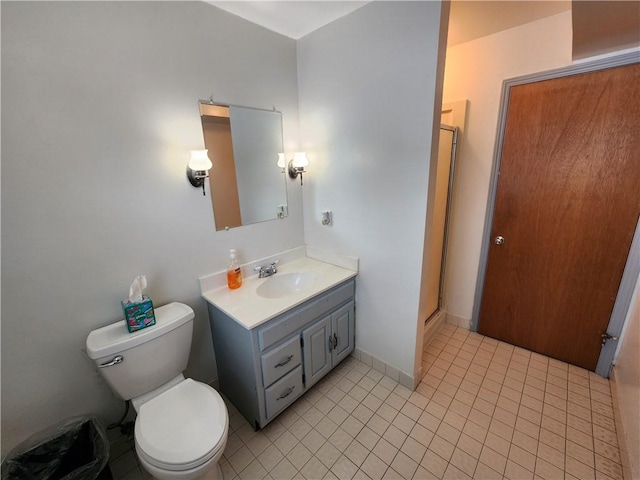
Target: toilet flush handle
x,y
116,360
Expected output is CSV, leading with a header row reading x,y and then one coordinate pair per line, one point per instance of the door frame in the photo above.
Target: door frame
x,y
632,267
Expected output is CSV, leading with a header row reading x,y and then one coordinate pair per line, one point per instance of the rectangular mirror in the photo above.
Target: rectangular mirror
x,y
247,185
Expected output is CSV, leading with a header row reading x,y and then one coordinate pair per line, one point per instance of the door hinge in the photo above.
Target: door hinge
x,y
301,342
606,336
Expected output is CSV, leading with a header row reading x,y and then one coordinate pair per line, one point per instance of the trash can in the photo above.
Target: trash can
x,y
75,449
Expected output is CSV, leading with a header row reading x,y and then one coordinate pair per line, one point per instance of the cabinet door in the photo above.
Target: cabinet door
x,y
343,325
317,358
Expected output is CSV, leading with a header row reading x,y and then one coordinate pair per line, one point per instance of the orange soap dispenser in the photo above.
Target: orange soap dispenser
x,y
234,274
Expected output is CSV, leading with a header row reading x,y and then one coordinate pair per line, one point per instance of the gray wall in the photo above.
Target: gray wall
x,y
368,92
99,112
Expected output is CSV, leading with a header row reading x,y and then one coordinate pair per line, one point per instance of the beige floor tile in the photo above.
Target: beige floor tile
x,y
374,467
501,429
448,432
487,473
346,469
404,465
270,457
442,447
368,438
284,470
555,441
422,434
475,430
314,469
470,445
356,452
583,439
608,467
464,462
524,441
429,420
493,458
434,463
522,457
404,423
328,454
360,475
551,455
340,439
299,456
254,471
580,453
454,473
513,471
605,435
579,470
497,443
547,471
413,449
385,451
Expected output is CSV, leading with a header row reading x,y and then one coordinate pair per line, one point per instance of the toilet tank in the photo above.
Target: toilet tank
x,y
150,357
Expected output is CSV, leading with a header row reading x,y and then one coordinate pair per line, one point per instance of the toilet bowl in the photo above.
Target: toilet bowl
x,y
182,425
182,432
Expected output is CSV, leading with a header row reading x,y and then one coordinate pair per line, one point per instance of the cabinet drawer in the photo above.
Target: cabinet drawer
x,y
280,360
282,393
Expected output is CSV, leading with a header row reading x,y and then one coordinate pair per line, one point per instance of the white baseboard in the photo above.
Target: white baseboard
x,y
459,321
386,369
432,328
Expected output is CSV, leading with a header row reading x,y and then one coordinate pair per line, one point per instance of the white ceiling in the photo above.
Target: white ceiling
x,y
469,19
294,19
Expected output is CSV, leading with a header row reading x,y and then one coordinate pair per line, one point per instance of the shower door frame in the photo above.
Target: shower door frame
x,y
447,215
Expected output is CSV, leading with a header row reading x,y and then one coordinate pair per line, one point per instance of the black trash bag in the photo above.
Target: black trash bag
x,y
76,449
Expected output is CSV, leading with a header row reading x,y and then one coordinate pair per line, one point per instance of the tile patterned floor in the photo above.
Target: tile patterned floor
x,y
484,410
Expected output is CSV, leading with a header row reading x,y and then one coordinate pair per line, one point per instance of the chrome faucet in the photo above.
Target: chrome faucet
x,y
268,270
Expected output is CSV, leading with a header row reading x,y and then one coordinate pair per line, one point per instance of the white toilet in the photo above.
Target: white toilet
x,y
182,425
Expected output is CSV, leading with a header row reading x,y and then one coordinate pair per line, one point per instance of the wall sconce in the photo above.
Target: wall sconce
x,y
296,166
197,169
281,161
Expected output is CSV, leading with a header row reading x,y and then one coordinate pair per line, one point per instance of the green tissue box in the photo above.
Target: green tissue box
x,y
138,315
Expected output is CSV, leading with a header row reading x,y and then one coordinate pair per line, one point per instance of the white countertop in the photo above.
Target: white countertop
x,y
249,309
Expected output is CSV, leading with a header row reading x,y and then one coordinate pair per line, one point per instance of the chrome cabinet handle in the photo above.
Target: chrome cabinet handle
x,y
284,362
499,240
116,360
288,392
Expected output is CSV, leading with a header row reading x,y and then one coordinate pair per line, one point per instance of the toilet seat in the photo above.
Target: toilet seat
x,y
183,427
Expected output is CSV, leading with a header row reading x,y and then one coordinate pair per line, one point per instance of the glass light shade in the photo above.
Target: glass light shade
x,y
200,160
300,160
281,162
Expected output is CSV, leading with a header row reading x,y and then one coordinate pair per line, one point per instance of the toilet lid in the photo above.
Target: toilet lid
x,y
183,427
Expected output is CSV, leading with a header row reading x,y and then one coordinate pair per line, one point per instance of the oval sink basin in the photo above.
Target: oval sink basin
x,y
285,284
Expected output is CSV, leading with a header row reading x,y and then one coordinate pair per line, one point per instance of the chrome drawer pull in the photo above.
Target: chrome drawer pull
x,y
116,360
286,394
284,362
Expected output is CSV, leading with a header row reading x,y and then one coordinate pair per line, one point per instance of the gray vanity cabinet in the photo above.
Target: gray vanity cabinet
x,y
264,369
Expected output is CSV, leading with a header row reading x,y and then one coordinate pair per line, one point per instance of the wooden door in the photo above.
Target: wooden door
x,y
567,203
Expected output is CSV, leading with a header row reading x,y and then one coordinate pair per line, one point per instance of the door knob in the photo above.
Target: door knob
x,y
499,240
